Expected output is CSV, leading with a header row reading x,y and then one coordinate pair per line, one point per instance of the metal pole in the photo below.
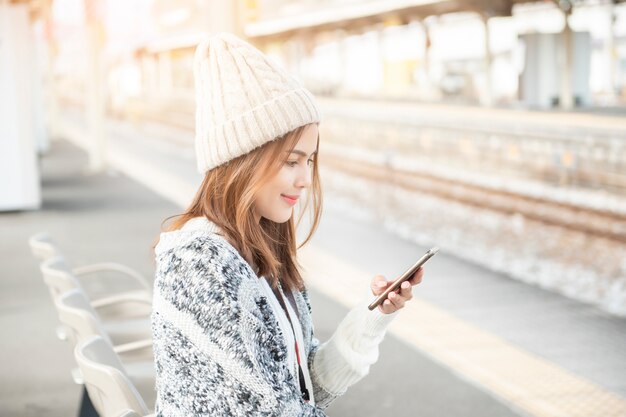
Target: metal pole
x,y
429,87
611,49
488,101
567,98
94,79
51,92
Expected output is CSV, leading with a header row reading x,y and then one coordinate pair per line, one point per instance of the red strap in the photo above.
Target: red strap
x,y
298,353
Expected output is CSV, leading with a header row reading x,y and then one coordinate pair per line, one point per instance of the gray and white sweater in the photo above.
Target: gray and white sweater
x,y
224,347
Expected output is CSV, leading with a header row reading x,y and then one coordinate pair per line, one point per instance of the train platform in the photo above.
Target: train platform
x,y
472,342
511,118
179,112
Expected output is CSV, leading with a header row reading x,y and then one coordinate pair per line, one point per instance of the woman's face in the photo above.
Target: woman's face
x,y
294,176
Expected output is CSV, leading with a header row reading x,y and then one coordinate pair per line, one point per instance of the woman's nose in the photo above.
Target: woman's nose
x,y
304,179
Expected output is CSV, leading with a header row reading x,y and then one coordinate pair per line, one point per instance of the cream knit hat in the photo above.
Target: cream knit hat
x,y
243,100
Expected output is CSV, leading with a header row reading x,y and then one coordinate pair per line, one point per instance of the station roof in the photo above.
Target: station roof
x,y
365,13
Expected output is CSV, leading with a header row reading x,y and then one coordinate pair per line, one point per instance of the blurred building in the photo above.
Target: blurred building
x,y
484,52
474,52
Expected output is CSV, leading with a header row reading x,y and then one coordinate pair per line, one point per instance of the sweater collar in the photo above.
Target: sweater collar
x,y
200,223
167,240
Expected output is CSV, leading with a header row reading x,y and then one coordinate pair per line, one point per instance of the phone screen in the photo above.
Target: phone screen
x,y
405,276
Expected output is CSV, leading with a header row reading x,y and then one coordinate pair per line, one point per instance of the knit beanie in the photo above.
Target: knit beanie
x,y
243,100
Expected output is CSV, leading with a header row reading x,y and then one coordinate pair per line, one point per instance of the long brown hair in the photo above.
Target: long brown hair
x,y
226,198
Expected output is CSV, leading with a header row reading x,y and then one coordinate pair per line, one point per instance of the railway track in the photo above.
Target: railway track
x,y
590,221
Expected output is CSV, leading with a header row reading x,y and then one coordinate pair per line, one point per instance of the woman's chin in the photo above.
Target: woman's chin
x,y
282,219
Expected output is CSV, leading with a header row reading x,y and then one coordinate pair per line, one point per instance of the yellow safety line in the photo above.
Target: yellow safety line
x,y
526,381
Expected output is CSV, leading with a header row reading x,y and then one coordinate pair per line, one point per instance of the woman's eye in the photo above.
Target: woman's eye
x,y
294,163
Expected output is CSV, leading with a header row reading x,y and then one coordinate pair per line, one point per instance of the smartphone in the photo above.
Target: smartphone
x,y
407,274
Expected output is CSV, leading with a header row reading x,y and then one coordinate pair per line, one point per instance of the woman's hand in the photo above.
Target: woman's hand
x,y
396,299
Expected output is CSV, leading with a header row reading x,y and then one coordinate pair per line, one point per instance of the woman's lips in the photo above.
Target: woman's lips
x,y
289,200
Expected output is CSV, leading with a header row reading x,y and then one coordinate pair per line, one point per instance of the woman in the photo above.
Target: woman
x,y
231,321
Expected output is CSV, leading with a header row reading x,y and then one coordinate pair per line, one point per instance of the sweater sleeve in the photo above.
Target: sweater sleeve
x,y
347,356
218,351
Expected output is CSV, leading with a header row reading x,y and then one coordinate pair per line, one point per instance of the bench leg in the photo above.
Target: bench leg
x,y
86,407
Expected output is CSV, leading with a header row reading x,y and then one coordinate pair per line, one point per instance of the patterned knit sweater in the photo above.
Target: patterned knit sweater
x,y
219,346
